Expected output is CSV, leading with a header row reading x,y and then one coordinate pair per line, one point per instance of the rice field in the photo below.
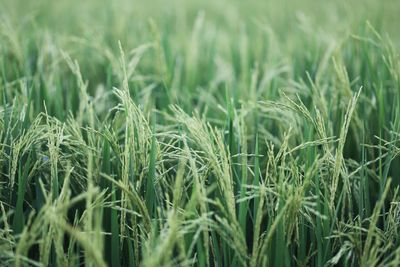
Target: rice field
x,y
199,133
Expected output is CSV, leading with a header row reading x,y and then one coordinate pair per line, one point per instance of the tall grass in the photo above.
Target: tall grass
x,y
213,133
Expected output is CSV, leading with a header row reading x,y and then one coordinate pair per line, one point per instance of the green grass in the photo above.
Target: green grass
x,y
199,133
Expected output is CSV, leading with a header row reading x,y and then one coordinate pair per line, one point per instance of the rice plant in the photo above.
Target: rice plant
x,y
199,133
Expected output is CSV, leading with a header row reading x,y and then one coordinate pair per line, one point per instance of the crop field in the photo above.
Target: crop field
x,y
199,133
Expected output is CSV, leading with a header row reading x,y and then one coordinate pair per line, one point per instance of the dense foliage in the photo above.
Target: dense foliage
x,y
205,133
